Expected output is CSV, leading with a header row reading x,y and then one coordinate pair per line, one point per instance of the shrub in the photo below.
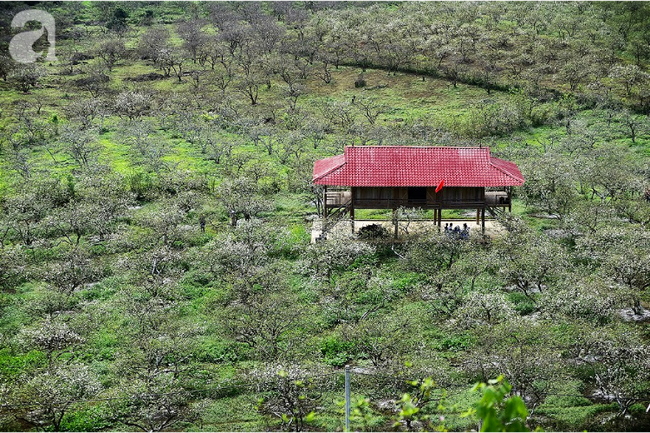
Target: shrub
x,y
373,231
521,303
456,343
139,184
12,366
336,352
217,352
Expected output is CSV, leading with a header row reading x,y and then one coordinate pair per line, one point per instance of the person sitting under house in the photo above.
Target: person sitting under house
x,y
464,234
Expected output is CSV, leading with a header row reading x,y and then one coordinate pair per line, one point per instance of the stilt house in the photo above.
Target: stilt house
x,y
387,177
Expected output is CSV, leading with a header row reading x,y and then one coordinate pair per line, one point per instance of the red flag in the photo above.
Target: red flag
x,y
440,185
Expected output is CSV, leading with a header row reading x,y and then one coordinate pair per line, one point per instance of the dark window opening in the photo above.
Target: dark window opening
x,y
417,194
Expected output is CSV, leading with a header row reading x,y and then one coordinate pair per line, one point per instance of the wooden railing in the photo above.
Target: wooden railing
x,y
333,217
395,203
337,198
497,198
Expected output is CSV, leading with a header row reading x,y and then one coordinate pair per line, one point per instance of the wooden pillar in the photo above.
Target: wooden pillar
x,y
352,209
478,216
483,220
439,217
395,222
325,202
510,199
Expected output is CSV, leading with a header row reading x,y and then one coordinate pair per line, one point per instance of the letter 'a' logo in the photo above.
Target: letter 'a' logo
x,y
20,46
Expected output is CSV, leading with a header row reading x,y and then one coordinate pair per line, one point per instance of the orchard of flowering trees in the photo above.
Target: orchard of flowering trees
x,y
156,208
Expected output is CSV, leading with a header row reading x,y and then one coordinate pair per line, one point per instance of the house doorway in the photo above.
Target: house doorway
x,y
417,194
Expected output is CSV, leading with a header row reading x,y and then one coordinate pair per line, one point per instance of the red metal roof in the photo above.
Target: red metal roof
x,y
416,166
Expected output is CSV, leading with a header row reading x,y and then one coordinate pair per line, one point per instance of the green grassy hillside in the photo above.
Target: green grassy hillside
x,y
156,270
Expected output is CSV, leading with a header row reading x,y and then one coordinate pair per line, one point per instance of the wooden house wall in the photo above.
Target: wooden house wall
x,y
467,194
432,197
373,193
373,197
401,194
390,197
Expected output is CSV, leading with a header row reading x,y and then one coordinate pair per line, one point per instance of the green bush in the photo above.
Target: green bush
x,y
197,278
456,343
12,366
139,183
522,304
407,283
217,353
92,418
373,231
104,345
336,352
98,249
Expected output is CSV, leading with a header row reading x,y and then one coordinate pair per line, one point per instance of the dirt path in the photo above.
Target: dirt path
x,y
492,228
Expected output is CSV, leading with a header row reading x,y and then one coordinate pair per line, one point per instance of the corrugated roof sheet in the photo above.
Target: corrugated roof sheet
x,y
416,166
